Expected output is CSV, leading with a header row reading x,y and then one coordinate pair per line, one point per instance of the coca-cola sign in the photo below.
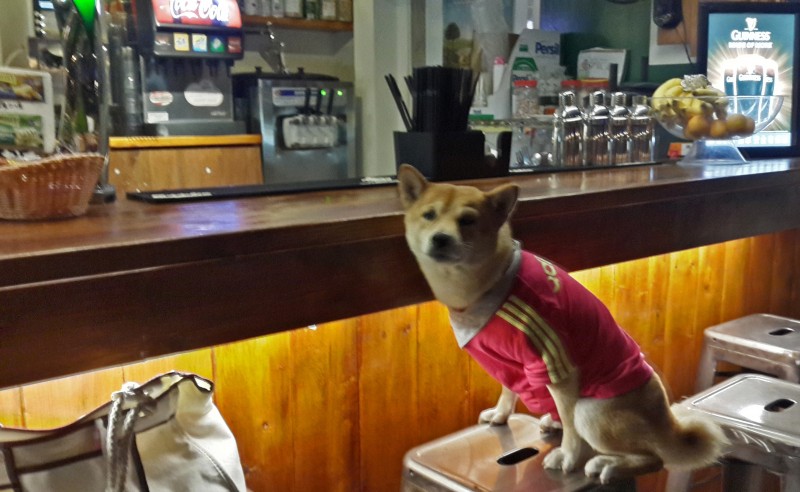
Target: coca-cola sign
x,y
222,13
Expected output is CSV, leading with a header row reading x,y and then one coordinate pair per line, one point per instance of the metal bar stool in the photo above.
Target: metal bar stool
x,y
502,458
759,342
761,417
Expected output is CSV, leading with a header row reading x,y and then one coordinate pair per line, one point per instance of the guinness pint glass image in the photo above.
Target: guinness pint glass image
x,y
749,75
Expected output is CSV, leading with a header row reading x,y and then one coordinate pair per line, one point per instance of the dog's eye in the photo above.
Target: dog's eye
x,y
429,215
466,220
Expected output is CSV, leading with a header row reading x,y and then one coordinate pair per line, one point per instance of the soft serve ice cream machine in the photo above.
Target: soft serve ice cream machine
x,y
187,48
307,128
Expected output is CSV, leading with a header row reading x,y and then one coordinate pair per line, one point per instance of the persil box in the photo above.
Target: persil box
x,y
536,51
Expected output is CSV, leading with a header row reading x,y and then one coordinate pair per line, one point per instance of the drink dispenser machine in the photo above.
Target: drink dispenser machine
x,y
186,50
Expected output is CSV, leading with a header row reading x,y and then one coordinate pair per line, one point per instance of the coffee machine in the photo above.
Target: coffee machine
x,y
307,126
186,50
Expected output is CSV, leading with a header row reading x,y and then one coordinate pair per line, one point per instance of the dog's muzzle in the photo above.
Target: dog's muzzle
x,y
443,247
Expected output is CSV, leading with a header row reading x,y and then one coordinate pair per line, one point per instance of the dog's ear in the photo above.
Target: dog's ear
x,y
411,184
502,201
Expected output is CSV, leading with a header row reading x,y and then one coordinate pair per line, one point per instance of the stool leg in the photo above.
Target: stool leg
x,y
740,476
705,370
789,374
679,481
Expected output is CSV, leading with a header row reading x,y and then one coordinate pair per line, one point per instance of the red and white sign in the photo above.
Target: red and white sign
x,y
222,13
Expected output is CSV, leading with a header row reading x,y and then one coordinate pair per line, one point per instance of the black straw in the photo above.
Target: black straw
x,y
442,98
398,99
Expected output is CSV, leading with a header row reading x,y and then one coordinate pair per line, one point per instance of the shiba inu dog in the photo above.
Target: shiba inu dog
x,y
546,338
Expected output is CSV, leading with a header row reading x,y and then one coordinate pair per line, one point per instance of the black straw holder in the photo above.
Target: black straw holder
x,y
447,156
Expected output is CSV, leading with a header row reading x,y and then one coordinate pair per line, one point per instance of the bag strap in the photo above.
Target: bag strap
x,y
119,438
154,388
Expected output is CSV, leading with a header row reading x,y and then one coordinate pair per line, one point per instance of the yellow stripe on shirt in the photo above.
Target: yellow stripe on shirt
x,y
538,325
554,366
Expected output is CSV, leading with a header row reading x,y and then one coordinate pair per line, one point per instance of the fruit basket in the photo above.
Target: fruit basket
x,y
714,121
52,187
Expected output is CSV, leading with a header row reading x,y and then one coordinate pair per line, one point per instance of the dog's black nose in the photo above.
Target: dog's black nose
x,y
441,240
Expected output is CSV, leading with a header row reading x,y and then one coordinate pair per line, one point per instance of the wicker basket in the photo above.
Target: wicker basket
x,y
58,186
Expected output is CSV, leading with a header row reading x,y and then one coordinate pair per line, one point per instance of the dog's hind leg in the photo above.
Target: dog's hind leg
x,y
614,467
498,415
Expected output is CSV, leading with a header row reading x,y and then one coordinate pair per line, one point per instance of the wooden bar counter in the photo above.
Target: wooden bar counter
x,y
131,280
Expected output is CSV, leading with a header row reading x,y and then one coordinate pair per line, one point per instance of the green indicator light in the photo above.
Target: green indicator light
x,y
340,93
323,92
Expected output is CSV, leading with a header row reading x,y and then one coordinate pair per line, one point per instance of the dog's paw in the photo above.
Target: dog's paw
x,y
559,459
602,467
549,426
494,416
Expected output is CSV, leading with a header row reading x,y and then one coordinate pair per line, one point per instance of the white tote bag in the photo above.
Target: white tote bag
x,y
165,435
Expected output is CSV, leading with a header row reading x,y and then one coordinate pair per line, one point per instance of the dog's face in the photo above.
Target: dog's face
x,y
450,224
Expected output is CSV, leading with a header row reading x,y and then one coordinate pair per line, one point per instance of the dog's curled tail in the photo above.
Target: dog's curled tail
x,y
694,442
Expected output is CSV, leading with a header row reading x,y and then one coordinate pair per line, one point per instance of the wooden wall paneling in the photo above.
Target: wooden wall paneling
x,y
484,392
153,169
758,274
679,327
658,278
784,276
443,372
733,291
711,281
197,361
60,401
634,303
388,395
11,408
326,423
606,289
589,278
255,393
794,303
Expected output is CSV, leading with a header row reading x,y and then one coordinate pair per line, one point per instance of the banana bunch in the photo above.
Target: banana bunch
x,y
680,99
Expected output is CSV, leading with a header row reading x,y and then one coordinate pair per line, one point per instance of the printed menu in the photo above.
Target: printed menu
x,y
27,113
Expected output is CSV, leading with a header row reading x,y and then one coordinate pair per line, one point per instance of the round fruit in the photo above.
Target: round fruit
x,y
697,127
750,126
718,129
736,124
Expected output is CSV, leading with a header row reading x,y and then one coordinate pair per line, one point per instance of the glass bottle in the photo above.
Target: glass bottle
x,y
525,99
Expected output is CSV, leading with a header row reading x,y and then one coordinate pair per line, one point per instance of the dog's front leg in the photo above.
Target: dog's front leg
x,y
574,451
498,415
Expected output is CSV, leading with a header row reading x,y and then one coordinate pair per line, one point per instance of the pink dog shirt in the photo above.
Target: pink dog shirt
x,y
538,324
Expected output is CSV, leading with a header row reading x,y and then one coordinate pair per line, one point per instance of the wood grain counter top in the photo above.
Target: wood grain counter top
x,y
132,280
